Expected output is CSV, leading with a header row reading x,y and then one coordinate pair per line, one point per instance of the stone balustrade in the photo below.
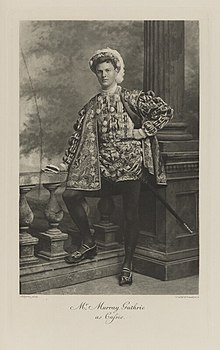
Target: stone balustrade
x,y
26,216
50,244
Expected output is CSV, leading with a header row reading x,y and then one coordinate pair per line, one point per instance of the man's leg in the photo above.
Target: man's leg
x,y
131,195
73,200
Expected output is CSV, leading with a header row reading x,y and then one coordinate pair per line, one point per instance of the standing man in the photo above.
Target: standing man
x,y
112,149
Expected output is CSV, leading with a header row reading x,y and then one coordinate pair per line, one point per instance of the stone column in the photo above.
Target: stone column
x,y
164,71
52,241
165,250
26,217
105,230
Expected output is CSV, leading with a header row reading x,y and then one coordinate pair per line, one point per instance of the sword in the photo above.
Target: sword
x,y
171,210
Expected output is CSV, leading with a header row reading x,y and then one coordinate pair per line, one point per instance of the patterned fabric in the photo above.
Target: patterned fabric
x,y
86,143
153,111
155,114
120,155
113,121
84,169
120,161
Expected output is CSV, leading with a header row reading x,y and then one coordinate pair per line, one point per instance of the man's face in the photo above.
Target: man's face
x,y
106,75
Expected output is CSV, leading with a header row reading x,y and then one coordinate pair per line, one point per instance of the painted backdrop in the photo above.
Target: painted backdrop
x,y
56,54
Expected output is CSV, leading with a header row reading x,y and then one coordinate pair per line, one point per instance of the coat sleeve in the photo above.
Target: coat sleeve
x,y
154,112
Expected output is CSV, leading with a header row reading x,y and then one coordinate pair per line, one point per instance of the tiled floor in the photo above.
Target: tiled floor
x,y
142,285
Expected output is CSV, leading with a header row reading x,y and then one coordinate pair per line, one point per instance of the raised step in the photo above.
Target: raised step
x,y
55,274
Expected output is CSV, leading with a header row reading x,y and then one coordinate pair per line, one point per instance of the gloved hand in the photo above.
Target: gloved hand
x,y
139,134
51,169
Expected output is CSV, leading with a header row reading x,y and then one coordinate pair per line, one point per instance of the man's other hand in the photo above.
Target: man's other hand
x,y
51,169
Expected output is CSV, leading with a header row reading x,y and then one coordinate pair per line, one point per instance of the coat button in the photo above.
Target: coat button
x,y
111,109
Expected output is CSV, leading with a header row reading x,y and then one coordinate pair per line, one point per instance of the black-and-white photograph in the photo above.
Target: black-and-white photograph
x,y
109,157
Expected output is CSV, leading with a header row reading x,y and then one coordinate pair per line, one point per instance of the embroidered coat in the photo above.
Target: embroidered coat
x,y
82,156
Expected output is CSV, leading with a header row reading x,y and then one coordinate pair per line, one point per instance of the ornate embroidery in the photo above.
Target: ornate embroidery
x,y
149,128
121,161
120,156
84,172
87,156
147,155
155,113
158,163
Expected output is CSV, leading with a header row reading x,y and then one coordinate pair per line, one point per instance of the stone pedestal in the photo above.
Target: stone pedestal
x,y
52,241
105,230
165,249
26,216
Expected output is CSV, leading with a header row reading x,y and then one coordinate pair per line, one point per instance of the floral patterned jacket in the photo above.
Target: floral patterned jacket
x,y
82,156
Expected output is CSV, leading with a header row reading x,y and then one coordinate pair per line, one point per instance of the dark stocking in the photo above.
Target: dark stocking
x,y
73,200
131,193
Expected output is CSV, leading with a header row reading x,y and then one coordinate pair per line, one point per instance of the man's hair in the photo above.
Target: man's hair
x,y
106,60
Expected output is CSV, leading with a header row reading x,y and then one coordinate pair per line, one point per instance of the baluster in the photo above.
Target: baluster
x,y
105,230
52,241
26,217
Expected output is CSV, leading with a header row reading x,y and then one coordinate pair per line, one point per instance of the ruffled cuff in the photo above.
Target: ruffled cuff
x,y
149,128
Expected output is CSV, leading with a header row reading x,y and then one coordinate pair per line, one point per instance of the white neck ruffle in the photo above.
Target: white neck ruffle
x,y
110,91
